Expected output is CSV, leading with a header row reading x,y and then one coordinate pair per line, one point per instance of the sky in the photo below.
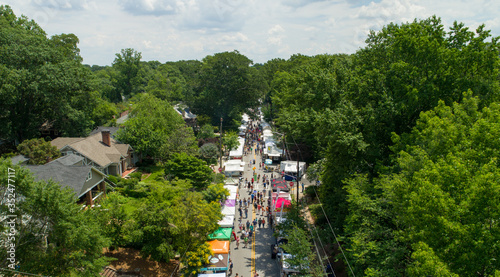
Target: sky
x,y
172,30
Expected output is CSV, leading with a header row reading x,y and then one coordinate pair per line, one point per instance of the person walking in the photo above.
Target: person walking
x,y
246,212
248,225
263,222
230,267
239,210
246,241
302,187
260,223
237,244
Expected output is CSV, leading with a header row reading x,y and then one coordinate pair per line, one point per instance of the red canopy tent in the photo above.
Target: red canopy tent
x,y
279,184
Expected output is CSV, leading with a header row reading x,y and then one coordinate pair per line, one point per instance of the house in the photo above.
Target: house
x,y
20,160
187,115
88,183
99,150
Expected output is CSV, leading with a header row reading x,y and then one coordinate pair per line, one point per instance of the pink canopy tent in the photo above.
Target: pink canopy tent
x,y
283,194
278,204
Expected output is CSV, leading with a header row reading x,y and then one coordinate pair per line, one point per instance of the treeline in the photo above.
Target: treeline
x,y
404,136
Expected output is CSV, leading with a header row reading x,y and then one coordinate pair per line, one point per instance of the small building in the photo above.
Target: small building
x,y
88,183
99,150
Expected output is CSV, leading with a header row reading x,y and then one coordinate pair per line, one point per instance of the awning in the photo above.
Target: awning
x,y
212,275
217,262
227,221
230,203
228,210
281,204
219,246
221,234
279,184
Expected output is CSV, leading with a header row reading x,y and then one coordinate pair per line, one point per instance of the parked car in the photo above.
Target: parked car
x,y
276,248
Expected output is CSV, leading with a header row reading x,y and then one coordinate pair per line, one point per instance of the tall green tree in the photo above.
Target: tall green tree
x,y
127,64
53,235
151,125
227,86
42,81
440,204
186,167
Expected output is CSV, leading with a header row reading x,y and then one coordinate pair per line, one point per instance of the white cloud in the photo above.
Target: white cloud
x,y
149,7
169,30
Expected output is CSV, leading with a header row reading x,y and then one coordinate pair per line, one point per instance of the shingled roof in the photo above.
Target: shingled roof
x,y
72,176
93,148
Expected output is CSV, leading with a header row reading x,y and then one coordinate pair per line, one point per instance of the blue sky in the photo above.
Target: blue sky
x,y
171,30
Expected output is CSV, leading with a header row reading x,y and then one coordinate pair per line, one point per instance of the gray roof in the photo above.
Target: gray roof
x,y
70,159
19,159
73,176
112,130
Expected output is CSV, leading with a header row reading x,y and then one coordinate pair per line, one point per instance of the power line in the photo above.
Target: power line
x,y
329,224
328,220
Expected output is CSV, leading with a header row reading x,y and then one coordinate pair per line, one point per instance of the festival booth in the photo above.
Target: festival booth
x,y
279,185
281,205
212,274
220,259
231,181
272,152
290,169
233,190
238,152
227,221
226,210
282,194
221,234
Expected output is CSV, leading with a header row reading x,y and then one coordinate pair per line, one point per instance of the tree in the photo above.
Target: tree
x,y
151,125
196,258
127,63
182,140
185,167
230,141
215,193
54,236
227,86
209,152
42,81
38,151
206,132
440,197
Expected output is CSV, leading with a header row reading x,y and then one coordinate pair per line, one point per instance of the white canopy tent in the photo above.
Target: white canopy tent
x,y
226,210
227,221
238,152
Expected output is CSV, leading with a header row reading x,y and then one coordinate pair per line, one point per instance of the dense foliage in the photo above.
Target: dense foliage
x,y
407,162
403,135
53,236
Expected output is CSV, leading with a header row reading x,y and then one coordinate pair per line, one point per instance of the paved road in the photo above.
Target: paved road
x,y
258,256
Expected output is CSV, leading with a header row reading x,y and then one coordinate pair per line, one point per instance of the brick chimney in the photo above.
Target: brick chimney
x,y
106,137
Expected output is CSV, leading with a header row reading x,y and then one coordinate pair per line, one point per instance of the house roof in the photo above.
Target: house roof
x,y
93,148
19,159
70,159
112,130
72,176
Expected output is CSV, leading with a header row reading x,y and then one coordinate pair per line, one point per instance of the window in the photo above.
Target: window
x,y
89,176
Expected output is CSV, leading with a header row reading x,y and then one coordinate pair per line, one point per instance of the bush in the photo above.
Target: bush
x,y
136,175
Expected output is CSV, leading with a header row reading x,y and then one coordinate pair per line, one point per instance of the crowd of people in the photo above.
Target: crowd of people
x,y
255,189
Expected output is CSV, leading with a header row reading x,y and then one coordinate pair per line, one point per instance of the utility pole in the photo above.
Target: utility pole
x,y
220,142
298,175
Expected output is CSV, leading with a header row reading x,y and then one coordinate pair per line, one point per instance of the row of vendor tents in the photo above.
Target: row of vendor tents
x,y
220,239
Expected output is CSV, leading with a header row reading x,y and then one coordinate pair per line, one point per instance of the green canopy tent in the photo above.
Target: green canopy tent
x,y
221,234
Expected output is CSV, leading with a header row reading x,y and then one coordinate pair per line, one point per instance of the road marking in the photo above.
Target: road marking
x,y
252,268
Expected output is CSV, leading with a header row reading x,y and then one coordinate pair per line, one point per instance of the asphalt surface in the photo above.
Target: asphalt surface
x,y
257,256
